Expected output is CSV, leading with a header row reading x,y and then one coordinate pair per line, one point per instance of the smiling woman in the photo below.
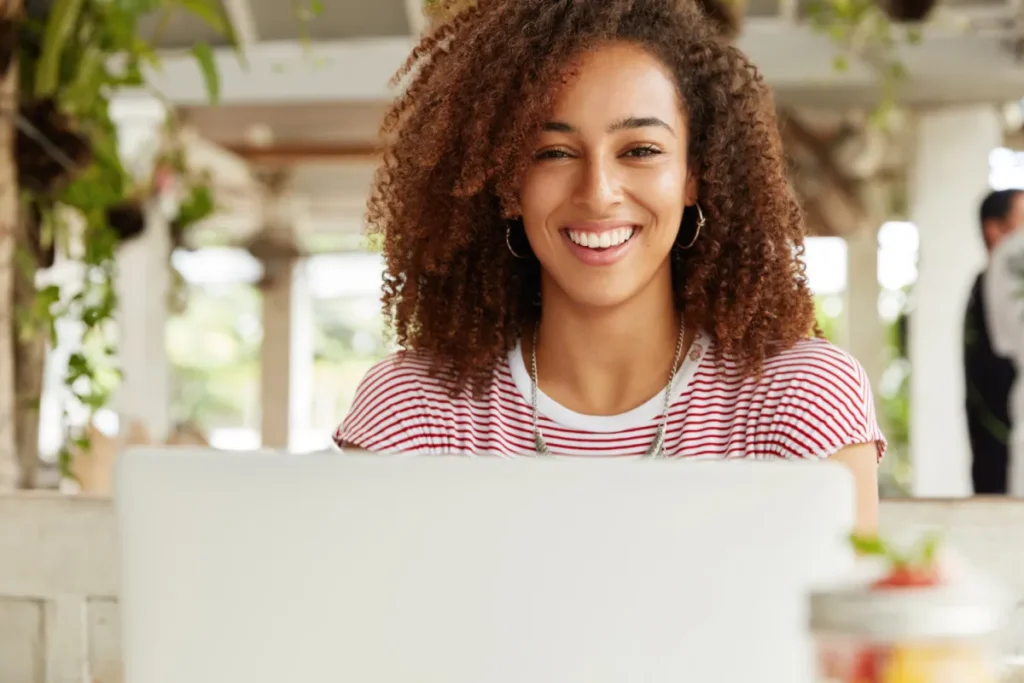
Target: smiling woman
x,y
591,248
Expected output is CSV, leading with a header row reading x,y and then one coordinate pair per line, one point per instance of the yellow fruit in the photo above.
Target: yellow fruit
x,y
936,664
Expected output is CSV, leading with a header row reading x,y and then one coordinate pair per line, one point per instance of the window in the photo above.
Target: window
x,y
213,347
349,336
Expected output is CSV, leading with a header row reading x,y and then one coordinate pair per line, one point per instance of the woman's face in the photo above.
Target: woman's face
x,y
604,197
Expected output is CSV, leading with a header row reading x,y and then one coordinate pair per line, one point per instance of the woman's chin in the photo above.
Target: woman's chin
x,y
601,292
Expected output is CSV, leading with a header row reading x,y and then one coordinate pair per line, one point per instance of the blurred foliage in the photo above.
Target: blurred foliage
x,y
214,347
80,200
892,396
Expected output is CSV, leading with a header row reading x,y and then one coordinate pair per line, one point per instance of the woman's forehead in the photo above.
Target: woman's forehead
x,y
612,82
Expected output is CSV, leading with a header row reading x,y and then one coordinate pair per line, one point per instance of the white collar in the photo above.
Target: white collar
x,y
637,417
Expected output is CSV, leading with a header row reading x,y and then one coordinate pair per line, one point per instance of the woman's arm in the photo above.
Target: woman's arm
x,y
862,461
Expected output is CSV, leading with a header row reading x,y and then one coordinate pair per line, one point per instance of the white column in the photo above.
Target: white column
x,y
286,355
143,284
865,332
948,180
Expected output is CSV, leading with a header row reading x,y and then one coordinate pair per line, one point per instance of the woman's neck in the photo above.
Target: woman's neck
x,y
606,362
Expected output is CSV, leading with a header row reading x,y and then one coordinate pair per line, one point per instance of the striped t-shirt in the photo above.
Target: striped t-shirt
x,y
809,402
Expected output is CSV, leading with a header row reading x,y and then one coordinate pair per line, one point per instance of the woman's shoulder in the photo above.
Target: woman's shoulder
x,y
403,404
401,378
812,399
814,376
387,409
817,361
811,362
397,368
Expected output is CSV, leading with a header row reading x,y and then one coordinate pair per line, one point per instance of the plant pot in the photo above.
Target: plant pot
x,y
127,220
38,9
8,44
47,168
906,11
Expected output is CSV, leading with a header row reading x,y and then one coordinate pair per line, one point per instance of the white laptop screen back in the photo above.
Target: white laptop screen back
x,y
262,568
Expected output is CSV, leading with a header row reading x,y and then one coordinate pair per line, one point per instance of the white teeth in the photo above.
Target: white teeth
x,y
602,240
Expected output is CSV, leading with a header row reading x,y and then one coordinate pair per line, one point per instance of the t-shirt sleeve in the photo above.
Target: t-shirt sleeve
x,y
390,412
827,405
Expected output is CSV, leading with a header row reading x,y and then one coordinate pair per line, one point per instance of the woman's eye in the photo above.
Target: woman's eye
x,y
643,151
551,154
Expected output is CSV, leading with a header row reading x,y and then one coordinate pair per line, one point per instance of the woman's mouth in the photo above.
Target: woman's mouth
x,y
601,240
601,247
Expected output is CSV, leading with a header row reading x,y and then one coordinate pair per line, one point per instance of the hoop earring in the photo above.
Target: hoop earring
x,y
700,224
508,242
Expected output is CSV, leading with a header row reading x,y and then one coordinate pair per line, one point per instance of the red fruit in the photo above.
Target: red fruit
x,y
868,666
910,577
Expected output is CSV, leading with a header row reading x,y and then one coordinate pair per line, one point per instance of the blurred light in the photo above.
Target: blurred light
x,y
897,254
1006,169
826,264
217,266
107,422
235,439
355,274
832,306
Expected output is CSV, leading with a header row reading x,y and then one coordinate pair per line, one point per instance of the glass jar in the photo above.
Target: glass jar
x,y
939,634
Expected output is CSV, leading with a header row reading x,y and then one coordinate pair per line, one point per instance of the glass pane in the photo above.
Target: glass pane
x,y
349,335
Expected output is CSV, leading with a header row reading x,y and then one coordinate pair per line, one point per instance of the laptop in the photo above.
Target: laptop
x,y
275,568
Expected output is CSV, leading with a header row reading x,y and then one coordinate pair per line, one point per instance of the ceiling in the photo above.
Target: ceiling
x,y
277,20
331,188
316,108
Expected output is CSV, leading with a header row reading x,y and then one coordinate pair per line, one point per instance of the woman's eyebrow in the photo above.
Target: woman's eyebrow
x,y
630,122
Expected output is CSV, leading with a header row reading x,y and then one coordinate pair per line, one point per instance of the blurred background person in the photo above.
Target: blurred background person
x,y
989,375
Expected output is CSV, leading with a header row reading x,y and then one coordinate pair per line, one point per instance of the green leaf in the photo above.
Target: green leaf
x,y
198,205
81,93
138,7
64,463
869,545
208,67
211,12
928,548
61,21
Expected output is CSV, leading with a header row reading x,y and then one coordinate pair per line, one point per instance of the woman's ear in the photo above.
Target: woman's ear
x,y
692,188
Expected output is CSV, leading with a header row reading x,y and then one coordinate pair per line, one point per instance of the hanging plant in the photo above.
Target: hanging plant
x,y
873,34
8,43
79,200
726,15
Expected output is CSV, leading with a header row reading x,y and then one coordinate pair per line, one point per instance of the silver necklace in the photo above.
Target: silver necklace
x,y
654,450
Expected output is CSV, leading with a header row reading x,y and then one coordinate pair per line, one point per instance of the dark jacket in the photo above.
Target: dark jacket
x,y
988,379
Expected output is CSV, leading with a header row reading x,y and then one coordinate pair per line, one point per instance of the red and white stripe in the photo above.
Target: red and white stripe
x,y
810,401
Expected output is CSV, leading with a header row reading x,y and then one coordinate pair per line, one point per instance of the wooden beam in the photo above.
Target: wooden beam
x,y
795,130
291,153
243,20
9,216
416,14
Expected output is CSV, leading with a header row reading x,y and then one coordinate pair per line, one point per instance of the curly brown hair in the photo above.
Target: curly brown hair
x,y
458,143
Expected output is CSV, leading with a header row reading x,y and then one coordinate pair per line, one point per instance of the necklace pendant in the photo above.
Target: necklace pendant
x,y
654,450
539,444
